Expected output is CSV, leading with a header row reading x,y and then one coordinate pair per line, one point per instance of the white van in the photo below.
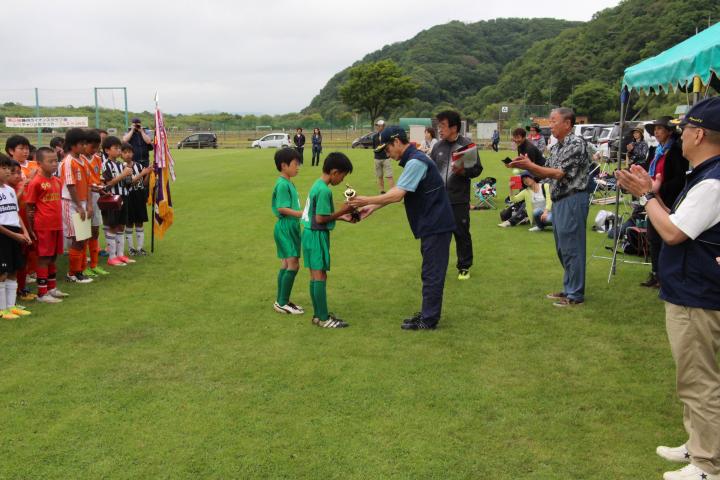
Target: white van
x,y
272,140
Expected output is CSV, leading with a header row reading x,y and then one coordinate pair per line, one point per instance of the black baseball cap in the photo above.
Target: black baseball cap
x,y
135,120
704,114
389,134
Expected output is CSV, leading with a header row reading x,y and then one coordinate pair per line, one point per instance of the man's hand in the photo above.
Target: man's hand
x,y
359,201
636,180
348,218
367,211
522,162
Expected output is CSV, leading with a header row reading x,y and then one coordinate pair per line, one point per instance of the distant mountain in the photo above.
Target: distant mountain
x,y
450,62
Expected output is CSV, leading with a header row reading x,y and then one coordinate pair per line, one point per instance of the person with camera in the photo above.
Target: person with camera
x,y
689,272
140,141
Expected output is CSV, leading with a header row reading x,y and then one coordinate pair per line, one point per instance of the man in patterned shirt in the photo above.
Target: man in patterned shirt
x,y
567,168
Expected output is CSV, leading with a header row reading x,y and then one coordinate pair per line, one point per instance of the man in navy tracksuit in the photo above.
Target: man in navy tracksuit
x,y
689,273
429,214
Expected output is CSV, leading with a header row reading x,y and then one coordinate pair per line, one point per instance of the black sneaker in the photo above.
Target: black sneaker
x,y
141,252
414,318
651,282
418,325
132,252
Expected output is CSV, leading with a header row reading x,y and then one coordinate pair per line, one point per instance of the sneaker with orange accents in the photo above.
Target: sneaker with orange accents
x,y
125,259
116,262
6,315
19,311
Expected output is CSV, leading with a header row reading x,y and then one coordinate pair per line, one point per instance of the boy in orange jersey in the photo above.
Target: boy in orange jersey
x,y
75,195
44,212
19,149
93,163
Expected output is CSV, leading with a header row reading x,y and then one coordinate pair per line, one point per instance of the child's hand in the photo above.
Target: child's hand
x,y
146,170
346,208
127,172
348,218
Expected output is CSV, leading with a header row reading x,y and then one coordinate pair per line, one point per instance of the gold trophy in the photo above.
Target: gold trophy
x,y
350,193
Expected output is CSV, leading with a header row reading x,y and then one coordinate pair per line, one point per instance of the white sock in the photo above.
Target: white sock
x,y
10,292
3,298
120,244
129,237
140,237
106,232
111,244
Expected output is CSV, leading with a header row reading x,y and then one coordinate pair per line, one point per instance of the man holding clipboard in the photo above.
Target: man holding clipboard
x,y
456,174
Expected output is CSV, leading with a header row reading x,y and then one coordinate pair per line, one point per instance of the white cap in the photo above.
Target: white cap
x,y
380,122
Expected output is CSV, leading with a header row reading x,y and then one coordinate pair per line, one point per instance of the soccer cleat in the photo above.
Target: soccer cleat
x,y
21,312
504,224
125,259
100,271
418,325
142,252
331,322
689,472
115,262
414,318
78,278
295,309
6,315
132,251
534,229
89,273
280,309
48,298
26,295
556,296
58,294
677,454
567,302
463,274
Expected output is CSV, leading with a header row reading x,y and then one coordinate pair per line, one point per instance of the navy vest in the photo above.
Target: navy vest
x,y
428,207
689,272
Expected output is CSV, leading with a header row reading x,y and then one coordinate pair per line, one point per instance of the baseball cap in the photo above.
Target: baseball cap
x,y
135,120
705,114
380,122
389,134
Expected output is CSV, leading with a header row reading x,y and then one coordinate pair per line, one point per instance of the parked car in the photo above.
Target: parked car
x,y
199,140
602,141
589,131
272,140
366,141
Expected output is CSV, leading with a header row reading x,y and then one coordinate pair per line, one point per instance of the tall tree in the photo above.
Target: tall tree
x,y
377,88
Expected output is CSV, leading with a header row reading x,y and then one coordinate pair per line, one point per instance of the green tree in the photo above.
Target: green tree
x,y
377,88
593,98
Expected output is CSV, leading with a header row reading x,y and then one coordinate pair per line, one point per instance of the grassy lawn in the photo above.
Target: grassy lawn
x,y
177,367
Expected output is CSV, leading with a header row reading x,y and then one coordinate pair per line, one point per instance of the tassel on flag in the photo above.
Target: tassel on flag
x,y
163,172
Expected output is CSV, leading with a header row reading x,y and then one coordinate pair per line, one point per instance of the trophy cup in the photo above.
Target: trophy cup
x,y
349,195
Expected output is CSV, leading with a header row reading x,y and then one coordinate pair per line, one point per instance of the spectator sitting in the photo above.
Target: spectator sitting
x,y
536,198
638,148
526,147
430,140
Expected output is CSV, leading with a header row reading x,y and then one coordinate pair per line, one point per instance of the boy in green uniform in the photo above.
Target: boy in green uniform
x,y
286,207
318,218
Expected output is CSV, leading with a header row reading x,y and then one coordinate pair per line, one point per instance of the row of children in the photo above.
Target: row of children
x,y
318,219
39,197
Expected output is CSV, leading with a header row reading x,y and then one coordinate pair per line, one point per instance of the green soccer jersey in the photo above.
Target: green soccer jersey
x,y
319,202
284,196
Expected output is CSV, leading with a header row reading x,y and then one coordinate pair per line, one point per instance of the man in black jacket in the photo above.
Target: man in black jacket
x,y
457,184
299,141
667,168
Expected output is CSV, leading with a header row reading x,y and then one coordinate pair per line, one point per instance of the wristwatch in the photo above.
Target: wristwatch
x,y
644,199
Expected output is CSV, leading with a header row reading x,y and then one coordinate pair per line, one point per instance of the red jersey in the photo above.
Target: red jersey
x,y
45,194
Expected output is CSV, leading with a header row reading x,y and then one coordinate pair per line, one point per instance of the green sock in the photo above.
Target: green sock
x,y
312,297
321,299
281,274
286,286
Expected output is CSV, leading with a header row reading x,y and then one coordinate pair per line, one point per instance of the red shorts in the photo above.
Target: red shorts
x,y
49,242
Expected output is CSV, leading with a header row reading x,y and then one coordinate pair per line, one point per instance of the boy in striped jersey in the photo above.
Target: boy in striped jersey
x,y
75,195
117,178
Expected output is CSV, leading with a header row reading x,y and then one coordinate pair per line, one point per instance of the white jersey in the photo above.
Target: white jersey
x,y
9,211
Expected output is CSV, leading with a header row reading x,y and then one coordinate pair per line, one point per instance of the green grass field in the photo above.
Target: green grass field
x,y
177,367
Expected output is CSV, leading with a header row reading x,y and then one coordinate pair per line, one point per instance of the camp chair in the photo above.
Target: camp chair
x,y
485,192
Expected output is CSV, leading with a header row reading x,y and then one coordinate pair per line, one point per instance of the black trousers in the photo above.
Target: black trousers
x,y
463,240
300,151
654,242
435,250
316,156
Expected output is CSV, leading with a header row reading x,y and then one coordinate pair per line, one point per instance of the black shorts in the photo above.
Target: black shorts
x,y
137,207
11,256
114,218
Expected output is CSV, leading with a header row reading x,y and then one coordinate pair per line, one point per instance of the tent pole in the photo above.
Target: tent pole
x,y
624,97
697,90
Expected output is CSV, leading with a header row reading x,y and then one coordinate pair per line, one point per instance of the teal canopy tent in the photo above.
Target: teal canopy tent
x,y
698,56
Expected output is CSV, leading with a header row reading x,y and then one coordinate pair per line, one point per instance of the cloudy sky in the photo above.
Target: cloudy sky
x,y
265,57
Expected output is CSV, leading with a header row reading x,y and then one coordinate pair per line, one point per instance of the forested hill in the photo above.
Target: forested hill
x,y
450,62
474,66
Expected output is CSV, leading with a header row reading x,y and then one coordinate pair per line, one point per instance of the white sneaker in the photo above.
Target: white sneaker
x,y
48,298
79,278
58,294
689,472
289,309
504,224
31,279
534,229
